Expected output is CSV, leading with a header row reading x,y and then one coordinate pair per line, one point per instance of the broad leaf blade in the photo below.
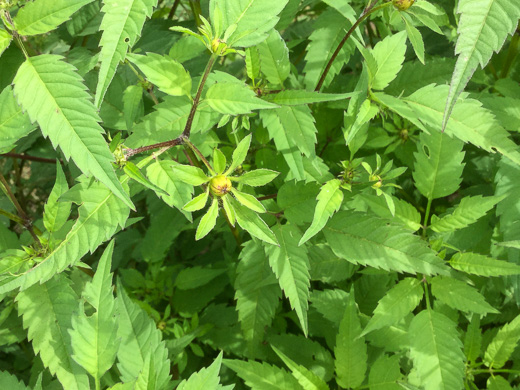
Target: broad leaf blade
x,y
274,58
56,212
263,375
43,85
477,264
206,378
389,57
14,124
234,99
503,344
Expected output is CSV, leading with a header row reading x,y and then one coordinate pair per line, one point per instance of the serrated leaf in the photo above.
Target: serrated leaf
x,y
263,375
41,16
5,40
234,99
274,57
164,72
384,373
140,339
100,216
208,220
477,264
134,173
239,154
473,339
14,124
298,124
389,57
436,351
205,379
56,213
253,19
300,97
468,211
11,382
398,302
87,21
43,86
257,293
256,177
252,223
290,264
252,63
438,165
132,105
329,202
93,337
414,36
121,25
483,28
458,295
405,214
350,349
498,383
363,239
47,310
503,344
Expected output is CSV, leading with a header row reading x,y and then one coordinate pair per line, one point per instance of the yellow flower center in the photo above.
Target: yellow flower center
x,y
403,5
220,185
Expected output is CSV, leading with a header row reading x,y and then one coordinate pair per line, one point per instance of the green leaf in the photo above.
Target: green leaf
x,y
41,16
483,28
436,351
134,173
219,161
87,21
195,277
140,339
132,104
253,19
306,378
503,344
121,25
263,375
438,165
164,72
473,339
363,239
234,99
11,382
5,40
239,154
256,177
300,97
498,383
350,349
296,198
161,174
329,202
43,86
197,203
249,201
477,264
47,310
405,214
257,294
56,213
414,36
468,211
397,303
208,221
298,124
274,57
384,373
100,216
188,174
93,337
458,295
204,379
290,264
252,223
389,57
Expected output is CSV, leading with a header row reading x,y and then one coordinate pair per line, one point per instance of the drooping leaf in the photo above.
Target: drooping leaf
x,y
121,25
436,351
329,202
253,19
257,293
56,213
477,264
503,344
290,264
208,220
140,338
188,174
274,58
234,99
14,124
47,310
252,223
415,37
263,375
134,173
93,337
389,57
100,216
366,240
350,349
299,97
206,378
164,72
43,86
483,28
399,301
469,210
41,16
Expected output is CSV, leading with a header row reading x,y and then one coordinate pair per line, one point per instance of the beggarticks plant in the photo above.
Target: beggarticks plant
x,y
218,184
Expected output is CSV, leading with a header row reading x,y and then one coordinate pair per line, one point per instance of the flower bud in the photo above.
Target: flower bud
x,y
220,185
402,5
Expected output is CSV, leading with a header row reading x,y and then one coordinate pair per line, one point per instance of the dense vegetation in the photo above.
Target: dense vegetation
x,y
265,194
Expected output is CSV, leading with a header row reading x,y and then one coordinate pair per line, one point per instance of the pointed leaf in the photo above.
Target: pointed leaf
x,y
299,97
263,375
205,379
384,373
249,201
189,174
208,221
389,57
274,58
239,154
197,203
11,382
234,99
134,173
256,178
503,344
14,124
5,40
477,264
252,223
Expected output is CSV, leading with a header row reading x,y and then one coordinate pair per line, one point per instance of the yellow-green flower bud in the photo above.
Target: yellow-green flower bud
x,y
402,5
220,185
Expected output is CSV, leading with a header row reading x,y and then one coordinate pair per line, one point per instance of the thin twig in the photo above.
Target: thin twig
x,y
31,158
174,9
272,196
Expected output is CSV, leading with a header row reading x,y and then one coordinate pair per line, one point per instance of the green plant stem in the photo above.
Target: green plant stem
x,y
200,155
143,80
26,221
234,230
370,9
197,10
491,370
189,122
97,383
175,5
512,53
426,216
12,217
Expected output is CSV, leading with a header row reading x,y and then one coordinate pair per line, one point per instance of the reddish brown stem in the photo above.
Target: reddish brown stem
x,y
31,158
